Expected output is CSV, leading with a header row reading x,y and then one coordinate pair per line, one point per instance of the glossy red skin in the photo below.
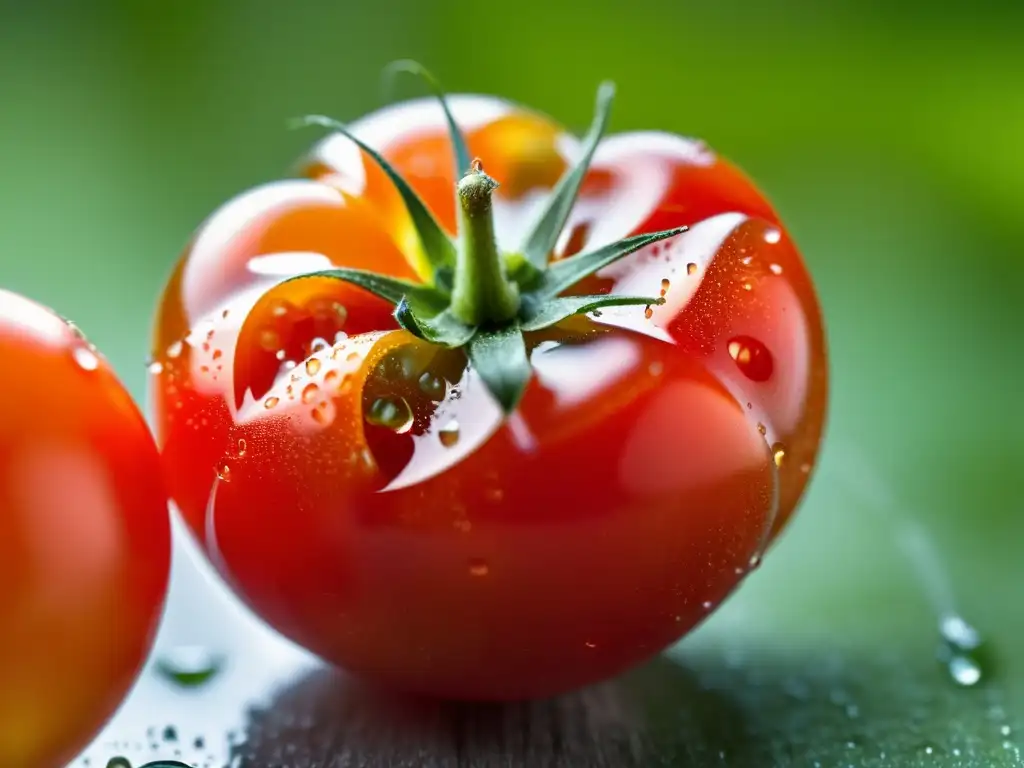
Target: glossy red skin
x,y
85,551
627,496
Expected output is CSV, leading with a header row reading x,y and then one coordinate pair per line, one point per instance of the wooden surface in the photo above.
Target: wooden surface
x,y
327,722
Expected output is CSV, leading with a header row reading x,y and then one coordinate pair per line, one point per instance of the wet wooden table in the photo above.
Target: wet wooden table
x,y
725,699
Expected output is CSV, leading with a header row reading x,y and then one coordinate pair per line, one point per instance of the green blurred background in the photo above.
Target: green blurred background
x,y
889,136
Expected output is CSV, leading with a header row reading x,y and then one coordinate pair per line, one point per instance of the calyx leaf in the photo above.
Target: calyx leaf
x,y
443,328
567,272
544,235
555,310
437,246
458,140
391,289
499,358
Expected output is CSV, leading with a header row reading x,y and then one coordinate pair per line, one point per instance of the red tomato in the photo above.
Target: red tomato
x,y
85,551
364,492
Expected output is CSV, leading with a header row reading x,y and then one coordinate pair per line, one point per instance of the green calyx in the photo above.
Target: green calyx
x,y
481,298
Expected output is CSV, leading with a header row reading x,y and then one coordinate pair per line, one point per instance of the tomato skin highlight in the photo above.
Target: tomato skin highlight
x,y
648,465
85,555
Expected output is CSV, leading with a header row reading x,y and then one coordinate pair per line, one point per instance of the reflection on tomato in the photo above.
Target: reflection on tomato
x,y
364,492
85,551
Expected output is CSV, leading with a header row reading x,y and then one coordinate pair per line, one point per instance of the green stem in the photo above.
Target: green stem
x,y
482,292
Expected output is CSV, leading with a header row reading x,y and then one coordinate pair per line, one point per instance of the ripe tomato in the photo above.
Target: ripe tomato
x,y
85,551
429,523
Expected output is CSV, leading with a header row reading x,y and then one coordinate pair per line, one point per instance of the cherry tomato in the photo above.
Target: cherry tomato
x,y
363,490
85,551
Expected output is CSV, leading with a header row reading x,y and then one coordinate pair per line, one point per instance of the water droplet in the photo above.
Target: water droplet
x,y
1005,730
590,645
224,472
707,605
755,561
170,733
748,286
309,393
156,368
432,386
478,567
323,414
271,402
961,650
174,351
751,357
391,413
805,468
119,762
242,447
648,312
86,359
217,354
190,666
449,434
332,380
665,285
964,671
958,633
779,454
312,366
772,236
691,268
762,428
270,340
776,269
280,354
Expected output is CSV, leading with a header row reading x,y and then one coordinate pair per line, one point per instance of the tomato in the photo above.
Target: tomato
x,y
495,519
85,551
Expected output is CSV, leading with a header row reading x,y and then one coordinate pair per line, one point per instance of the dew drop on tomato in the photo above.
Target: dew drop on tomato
x,y
432,386
271,403
270,340
779,454
312,366
391,413
309,393
691,268
478,568
86,359
751,357
448,434
323,414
